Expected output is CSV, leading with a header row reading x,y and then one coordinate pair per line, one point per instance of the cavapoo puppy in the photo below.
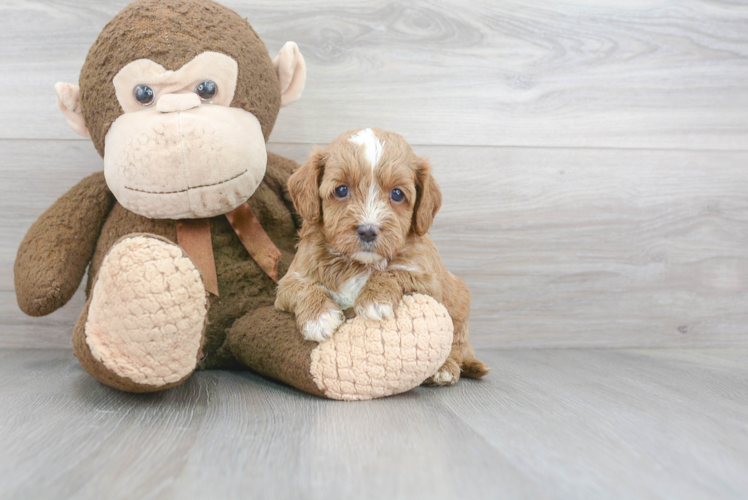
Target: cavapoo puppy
x,y
367,202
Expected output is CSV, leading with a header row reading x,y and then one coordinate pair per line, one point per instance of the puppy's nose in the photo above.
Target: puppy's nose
x,y
170,103
367,233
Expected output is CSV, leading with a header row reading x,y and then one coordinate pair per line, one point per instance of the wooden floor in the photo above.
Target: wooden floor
x,y
563,424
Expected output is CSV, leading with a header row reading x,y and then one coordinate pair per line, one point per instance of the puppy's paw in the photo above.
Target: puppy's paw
x,y
472,368
448,374
378,300
323,326
375,310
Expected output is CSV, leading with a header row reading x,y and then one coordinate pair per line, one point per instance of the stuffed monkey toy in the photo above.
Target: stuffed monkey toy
x,y
190,225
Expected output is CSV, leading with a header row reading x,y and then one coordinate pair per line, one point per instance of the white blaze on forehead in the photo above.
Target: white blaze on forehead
x,y
375,209
372,146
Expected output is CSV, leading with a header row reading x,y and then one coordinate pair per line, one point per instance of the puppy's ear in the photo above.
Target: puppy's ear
x,y
303,186
428,200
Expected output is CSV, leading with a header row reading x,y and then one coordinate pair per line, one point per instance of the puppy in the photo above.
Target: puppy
x,y
367,202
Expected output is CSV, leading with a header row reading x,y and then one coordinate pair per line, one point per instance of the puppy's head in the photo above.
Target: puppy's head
x,y
367,191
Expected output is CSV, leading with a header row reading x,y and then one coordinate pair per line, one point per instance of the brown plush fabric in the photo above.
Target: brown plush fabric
x,y
267,341
54,254
242,284
172,33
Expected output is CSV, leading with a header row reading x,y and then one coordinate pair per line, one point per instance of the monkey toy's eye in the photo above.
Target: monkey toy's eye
x,y
144,95
206,90
341,191
397,196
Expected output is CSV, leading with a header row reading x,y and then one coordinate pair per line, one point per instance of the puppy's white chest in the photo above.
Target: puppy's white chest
x,y
346,294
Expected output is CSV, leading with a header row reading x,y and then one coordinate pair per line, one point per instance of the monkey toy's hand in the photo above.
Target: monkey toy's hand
x,y
53,256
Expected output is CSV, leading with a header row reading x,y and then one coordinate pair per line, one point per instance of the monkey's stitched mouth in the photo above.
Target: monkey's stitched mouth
x,y
191,187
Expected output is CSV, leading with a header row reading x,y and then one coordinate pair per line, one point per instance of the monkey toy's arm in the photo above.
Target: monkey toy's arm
x,y
53,256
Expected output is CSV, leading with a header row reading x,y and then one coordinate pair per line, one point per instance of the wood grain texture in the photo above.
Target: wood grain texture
x,y
560,247
642,241
545,424
571,73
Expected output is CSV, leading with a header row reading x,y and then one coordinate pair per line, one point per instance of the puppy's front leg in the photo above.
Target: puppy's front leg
x,y
379,297
317,315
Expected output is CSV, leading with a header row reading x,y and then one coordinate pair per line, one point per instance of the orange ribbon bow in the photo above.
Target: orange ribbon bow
x,y
193,235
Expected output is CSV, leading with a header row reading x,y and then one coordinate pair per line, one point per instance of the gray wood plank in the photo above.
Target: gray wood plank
x,y
566,424
560,247
617,423
550,73
33,174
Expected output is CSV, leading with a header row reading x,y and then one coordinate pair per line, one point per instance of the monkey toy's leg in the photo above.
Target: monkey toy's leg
x,y
364,359
142,327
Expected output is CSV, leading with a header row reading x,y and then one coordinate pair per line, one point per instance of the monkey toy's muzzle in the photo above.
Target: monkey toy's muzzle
x,y
183,159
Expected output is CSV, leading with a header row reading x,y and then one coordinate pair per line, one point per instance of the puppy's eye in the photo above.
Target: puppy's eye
x,y
341,191
206,90
144,95
397,196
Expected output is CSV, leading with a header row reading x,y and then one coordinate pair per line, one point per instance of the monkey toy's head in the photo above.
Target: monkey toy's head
x,y
179,97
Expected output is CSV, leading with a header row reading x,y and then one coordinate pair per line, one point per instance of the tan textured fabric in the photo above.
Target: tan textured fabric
x,y
184,165
147,312
97,369
368,359
172,103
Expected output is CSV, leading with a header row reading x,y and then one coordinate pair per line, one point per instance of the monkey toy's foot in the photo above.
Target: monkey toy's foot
x,y
364,359
142,328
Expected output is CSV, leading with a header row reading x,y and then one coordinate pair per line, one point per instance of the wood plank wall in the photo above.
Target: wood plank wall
x,y
593,155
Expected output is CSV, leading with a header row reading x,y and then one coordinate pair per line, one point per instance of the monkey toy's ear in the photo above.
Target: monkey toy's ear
x,y
69,102
291,69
